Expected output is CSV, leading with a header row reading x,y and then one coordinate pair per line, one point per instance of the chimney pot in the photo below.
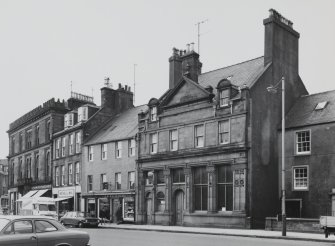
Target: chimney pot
x,y
126,87
192,46
188,48
120,86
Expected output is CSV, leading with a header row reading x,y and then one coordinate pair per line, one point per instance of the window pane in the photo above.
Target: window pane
x,y
44,226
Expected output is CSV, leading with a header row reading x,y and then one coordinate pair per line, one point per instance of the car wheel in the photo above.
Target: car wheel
x,y
80,225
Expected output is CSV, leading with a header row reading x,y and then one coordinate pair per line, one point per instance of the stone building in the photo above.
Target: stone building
x,y
208,147
81,123
30,150
310,157
109,159
67,145
4,201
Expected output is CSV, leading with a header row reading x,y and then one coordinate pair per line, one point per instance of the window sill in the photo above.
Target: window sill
x,y
304,189
303,154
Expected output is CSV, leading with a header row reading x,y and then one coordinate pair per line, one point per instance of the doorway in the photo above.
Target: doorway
x,y
179,207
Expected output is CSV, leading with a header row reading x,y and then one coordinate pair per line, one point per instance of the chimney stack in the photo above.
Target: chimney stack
x,y
116,101
281,41
175,72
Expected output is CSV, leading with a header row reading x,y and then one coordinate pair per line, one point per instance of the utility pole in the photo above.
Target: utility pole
x,y
134,80
198,24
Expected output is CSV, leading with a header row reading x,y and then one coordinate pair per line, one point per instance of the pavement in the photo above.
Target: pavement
x,y
316,237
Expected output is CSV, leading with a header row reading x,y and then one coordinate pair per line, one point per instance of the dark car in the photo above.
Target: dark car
x,y
18,230
79,219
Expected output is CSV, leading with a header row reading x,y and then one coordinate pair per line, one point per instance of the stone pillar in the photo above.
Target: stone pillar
x,y
140,193
211,206
188,189
168,195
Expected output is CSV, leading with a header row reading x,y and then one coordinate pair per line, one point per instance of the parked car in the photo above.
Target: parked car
x,y
32,230
79,219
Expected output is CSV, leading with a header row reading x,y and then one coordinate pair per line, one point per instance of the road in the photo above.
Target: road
x,y
111,237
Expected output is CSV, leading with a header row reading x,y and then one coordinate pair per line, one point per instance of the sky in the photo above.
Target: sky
x,y
46,44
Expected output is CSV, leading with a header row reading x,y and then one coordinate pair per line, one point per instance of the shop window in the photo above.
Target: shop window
x,y
303,142
129,209
200,176
224,135
225,188
199,136
160,177
160,197
178,175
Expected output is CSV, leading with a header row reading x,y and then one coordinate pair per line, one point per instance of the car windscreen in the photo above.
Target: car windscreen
x,y
47,207
3,223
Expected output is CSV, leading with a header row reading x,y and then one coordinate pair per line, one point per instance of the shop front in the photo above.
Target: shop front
x,y
112,207
68,199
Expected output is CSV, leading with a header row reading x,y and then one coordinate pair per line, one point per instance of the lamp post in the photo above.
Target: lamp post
x,y
273,89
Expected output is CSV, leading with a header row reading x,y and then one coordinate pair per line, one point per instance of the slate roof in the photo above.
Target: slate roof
x,y
121,126
244,73
303,112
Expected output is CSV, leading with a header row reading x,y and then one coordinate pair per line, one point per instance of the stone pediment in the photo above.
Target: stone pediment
x,y
186,91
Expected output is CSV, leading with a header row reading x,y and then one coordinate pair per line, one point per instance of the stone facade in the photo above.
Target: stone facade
x,y
309,157
30,149
208,147
4,201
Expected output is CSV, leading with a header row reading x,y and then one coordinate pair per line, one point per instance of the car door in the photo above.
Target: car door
x,y
19,233
46,233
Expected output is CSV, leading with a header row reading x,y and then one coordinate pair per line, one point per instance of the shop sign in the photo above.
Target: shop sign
x,y
66,193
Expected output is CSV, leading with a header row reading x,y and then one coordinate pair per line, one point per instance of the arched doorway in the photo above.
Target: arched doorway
x,y
148,205
179,207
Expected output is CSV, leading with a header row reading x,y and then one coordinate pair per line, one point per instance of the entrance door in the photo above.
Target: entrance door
x,y
148,202
179,207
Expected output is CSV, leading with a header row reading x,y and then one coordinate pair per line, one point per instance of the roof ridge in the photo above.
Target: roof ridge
x,y
232,65
323,92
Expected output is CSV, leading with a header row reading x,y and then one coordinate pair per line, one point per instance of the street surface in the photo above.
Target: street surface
x,y
111,237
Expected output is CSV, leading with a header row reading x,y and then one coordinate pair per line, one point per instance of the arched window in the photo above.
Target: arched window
x,y
160,197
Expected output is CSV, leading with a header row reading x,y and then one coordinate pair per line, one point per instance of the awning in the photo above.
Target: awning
x,y
62,198
33,194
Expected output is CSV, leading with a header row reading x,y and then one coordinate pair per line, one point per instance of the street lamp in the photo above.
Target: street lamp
x,y
274,89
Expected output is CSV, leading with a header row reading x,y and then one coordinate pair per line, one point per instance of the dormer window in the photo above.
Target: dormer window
x,y
224,98
153,114
82,113
68,120
224,92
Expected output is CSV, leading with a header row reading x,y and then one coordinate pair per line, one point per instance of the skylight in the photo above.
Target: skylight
x,y
321,105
